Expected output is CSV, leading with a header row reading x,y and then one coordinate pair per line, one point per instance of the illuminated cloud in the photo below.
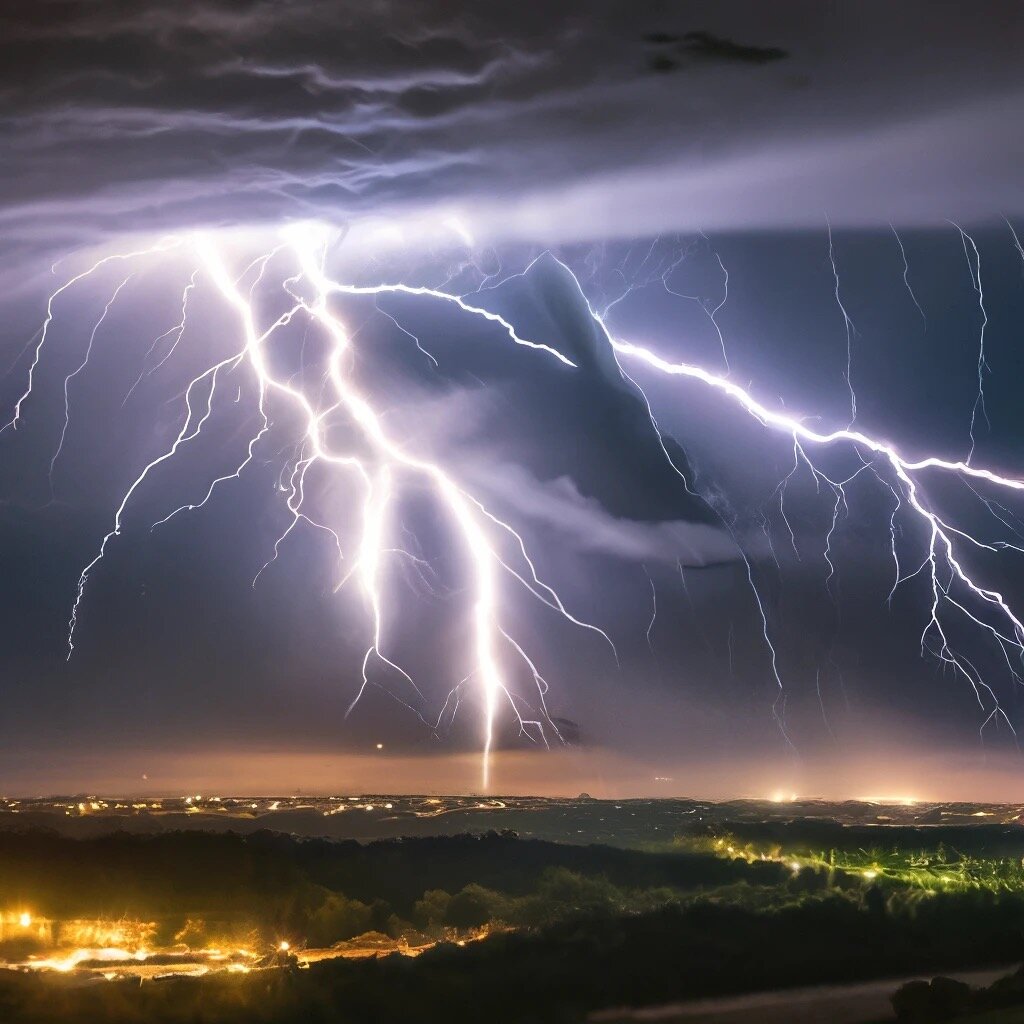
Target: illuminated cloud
x,y
205,112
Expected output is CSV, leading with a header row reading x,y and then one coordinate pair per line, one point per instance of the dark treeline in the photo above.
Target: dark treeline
x,y
257,889
201,871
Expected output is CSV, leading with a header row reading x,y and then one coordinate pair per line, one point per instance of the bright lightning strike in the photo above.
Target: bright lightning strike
x,y
378,474
379,466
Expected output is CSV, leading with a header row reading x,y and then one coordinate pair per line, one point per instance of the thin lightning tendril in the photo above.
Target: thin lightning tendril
x,y
76,371
847,324
176,331
162,246
906,276
973,258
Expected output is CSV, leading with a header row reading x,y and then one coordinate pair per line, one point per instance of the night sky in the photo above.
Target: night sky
x,y
758,184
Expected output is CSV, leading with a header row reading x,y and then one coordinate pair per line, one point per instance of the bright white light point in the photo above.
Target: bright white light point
x,y
380,746
794,867
25,920
869,874
284,947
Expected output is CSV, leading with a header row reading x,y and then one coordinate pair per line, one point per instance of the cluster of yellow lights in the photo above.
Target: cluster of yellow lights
x,y
342,808
116,948
113,949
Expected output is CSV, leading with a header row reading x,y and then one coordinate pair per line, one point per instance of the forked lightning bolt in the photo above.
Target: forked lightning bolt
x,y
378,475
379,466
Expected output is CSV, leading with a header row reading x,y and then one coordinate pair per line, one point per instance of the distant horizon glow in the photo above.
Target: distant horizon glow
x,y
909,778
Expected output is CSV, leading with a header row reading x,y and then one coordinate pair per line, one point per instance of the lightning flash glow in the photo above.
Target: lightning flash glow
x,y
377,467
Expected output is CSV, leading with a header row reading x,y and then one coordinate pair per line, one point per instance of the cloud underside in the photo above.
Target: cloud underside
x,y
550,125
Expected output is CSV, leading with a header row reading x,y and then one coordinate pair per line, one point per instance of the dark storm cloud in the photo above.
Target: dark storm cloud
x,y
574,455
705,46
124,115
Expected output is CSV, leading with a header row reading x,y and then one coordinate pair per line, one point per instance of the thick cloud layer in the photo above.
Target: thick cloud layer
x,y
554,121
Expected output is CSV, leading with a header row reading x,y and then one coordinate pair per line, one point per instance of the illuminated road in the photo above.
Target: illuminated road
x,y
826,1004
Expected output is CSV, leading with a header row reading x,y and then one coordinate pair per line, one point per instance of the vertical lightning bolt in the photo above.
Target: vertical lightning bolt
x,y
378,474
